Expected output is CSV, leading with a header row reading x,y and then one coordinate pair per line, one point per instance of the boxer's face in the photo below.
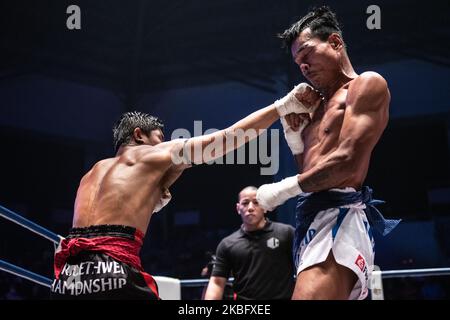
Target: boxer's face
x,y
318,60
248,208
155,137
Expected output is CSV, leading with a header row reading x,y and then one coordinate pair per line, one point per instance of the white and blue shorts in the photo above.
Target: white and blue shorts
x,y
346,232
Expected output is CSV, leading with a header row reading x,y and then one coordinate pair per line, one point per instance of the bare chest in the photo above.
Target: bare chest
x,y
322,134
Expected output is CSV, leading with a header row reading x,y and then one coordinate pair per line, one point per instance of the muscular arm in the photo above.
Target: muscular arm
x,y
366,116
212,146
215,289
178,154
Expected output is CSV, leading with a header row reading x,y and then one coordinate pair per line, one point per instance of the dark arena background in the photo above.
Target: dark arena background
x,y
61,90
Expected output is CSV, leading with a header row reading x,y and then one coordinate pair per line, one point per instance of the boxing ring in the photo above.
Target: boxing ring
x,y
170,288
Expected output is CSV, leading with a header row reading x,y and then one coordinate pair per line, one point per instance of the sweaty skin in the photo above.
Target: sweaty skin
x,y
124,190
345,128
338,141
343,133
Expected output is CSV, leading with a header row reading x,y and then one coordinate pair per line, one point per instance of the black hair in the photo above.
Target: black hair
x,y
322,22
124,127
251,188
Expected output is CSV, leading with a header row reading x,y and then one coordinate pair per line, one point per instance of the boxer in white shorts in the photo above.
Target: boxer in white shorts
x,y
332,145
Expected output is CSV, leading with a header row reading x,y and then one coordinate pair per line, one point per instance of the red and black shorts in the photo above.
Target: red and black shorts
x,y
86,271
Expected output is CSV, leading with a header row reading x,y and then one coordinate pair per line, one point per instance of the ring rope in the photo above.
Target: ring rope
x,y
55,238
387,274
24,273
30,225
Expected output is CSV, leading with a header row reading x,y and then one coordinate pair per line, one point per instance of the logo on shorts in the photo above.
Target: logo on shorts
x,y
360,262
273,243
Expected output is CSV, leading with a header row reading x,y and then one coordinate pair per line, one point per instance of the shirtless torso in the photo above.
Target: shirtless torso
x,y
122,190
344,130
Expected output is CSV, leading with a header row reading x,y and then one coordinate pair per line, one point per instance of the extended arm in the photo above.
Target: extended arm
x,y
179,154
212,146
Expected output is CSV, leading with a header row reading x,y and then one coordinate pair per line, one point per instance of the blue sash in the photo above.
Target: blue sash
x,y
310,205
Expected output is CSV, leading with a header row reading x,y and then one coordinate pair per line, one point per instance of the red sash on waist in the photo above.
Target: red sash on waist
x,y
119,248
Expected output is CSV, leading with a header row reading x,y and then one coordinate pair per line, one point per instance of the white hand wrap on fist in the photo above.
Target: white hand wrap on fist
x,y
270,196
294,138
290,104
163,201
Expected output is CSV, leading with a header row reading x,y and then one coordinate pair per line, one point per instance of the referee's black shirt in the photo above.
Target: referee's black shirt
x,y
260,262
